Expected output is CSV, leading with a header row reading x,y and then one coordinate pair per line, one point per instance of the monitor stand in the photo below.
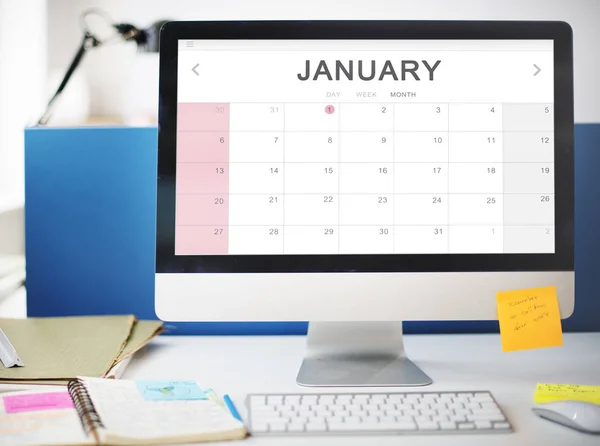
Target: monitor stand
x,y
357,354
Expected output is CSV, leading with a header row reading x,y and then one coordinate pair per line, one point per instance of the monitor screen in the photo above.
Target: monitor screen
x,y
326,147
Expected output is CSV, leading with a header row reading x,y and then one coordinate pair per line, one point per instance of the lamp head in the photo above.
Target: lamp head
x,y
147,40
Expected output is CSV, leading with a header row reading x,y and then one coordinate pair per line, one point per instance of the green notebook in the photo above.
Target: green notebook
x,y
66,347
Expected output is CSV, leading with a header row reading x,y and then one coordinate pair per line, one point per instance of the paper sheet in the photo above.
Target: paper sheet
x,y
39,427
529,318
545,393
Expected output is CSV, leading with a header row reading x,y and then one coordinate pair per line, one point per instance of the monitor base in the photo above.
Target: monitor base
x,y
356,354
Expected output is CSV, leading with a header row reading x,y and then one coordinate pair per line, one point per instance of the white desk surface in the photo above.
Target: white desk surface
x,y
251,364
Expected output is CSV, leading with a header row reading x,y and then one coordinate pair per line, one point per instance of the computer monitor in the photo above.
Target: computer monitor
x,y
355,174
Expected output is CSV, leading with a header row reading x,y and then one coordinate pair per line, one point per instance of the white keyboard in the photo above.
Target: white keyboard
x,y
376,413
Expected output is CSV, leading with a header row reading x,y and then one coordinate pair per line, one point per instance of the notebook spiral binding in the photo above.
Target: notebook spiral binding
x,y
84,406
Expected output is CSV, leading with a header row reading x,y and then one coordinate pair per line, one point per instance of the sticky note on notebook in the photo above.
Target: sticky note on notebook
x,y
545,393
31,402
529,318
170,390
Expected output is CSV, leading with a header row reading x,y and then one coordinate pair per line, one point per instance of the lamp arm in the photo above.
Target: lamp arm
x,y
88,41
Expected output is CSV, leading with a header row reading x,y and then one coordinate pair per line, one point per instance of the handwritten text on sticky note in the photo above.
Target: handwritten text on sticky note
x,y
31,402
545,393
529,318
170,390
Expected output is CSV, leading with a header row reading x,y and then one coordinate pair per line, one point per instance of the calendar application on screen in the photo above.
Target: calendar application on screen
x,y
365,147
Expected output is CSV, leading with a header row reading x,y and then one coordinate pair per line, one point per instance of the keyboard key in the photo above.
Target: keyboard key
x,y
440,418
462,412
316,427
277,427
335,419
447,425
370,419
483,424
488,405
343,427
295,427
482,397
485,417
457,418
427,425
353,420
501,426
371,407
463,426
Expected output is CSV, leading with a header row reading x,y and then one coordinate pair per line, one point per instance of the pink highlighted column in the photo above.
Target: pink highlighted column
x,y
202,179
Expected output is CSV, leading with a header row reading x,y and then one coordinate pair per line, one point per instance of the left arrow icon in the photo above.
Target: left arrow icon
x,y
194,69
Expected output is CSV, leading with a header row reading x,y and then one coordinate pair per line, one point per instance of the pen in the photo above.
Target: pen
x,y
232,408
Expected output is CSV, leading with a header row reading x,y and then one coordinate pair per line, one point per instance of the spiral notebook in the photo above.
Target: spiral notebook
x,y
97,411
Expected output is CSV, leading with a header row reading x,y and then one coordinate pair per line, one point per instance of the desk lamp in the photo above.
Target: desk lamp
x,y
146,40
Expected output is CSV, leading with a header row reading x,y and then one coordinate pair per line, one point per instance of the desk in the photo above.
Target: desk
x,y
252,364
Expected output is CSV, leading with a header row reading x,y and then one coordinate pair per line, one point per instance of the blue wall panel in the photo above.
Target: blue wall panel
x,y
90,222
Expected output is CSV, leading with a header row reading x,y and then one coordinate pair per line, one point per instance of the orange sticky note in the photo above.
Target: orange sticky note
x,y
529,318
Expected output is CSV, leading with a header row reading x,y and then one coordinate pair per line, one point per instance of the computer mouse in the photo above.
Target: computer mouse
x,y
582,416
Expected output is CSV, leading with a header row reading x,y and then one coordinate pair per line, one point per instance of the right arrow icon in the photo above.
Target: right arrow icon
x,y
538,69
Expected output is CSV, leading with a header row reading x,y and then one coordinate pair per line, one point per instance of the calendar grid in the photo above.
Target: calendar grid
x,y
252,169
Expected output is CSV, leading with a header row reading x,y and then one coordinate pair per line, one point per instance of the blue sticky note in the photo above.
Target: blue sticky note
x,y
170,390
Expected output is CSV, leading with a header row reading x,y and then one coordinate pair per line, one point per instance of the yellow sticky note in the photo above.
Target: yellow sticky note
x,y
529,318
544,393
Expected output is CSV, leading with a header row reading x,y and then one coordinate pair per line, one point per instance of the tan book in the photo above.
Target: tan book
x,y
66,347
141,334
